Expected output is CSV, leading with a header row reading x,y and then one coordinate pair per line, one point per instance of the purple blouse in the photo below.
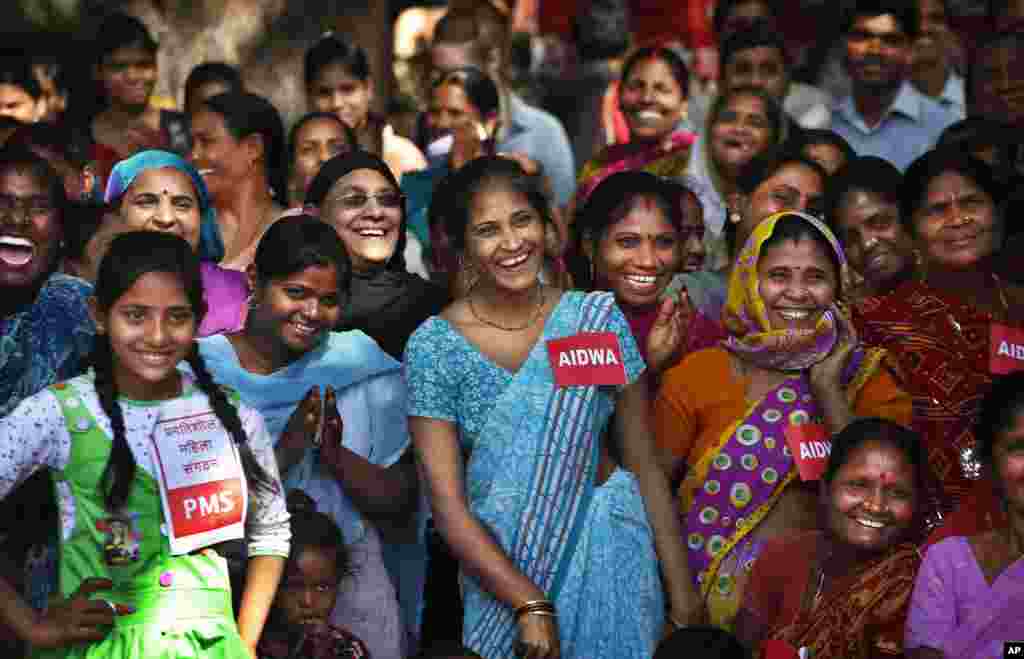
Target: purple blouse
x,y
226,293
955,610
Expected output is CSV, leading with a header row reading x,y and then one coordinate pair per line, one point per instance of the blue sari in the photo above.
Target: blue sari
x,y
534,449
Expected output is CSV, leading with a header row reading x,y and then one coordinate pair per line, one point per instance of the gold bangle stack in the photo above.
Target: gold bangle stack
x,y
543,608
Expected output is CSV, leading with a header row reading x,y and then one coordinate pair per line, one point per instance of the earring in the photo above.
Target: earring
x,y
251,302
735,217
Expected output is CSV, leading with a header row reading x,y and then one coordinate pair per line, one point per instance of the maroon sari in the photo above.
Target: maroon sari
x,y
942,346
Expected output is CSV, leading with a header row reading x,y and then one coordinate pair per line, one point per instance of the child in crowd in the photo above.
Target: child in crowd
x,y
319,563
102,434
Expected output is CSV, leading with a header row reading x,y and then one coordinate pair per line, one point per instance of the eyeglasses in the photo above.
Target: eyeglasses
x,y
30,206
356,200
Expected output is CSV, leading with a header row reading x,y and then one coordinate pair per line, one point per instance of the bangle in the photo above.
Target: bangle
x,y
675,623
543,614
535,606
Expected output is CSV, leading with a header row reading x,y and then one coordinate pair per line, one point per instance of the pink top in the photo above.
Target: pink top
x,y
226,293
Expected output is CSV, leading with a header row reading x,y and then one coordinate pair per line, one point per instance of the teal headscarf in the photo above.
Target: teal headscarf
x,y
211,246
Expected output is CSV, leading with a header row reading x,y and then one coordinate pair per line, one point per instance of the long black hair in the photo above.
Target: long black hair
x,y
610,202
130,256
295,243
454,208
312,528
248,114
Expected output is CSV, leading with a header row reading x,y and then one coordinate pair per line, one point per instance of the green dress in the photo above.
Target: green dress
x,y
182,603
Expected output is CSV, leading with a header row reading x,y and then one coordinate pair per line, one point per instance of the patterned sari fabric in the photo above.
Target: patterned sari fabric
x,y
45,343
861,615
942,347
669,160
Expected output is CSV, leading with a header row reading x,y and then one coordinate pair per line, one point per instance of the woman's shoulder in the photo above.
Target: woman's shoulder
x,y
214,274
65,290
707,360
950,554
789,553
361,350
435,336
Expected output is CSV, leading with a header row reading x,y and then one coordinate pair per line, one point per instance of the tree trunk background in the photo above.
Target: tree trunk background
x,y
265,38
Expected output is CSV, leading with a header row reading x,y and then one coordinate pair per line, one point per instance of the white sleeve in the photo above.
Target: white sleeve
x,y
267,530
32,436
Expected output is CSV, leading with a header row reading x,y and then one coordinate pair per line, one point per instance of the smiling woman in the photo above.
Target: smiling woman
x,y
481,384
845,590
791,359
652,98
46,327
301,375
359,196
951,205
636,232
159,191
744,123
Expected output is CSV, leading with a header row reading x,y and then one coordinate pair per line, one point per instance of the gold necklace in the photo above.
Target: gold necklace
x,y
531,321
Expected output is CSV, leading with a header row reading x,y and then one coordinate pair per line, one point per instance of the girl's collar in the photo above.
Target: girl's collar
x,y
187,388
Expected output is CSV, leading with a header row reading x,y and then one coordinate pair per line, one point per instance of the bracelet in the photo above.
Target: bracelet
x,y
675,623
535,606
543,614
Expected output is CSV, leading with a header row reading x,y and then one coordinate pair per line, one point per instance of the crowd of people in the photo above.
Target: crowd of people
x,y
729,369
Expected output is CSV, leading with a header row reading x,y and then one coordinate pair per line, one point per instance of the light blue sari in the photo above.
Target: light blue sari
x,y
531,481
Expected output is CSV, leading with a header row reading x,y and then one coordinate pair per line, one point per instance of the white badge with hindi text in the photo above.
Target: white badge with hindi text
x,y
202,485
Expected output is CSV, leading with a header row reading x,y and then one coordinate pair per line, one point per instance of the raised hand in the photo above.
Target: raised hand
x,y
668,334
78,619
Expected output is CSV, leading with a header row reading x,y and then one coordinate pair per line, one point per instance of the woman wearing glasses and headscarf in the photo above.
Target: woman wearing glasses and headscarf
x,y
358,195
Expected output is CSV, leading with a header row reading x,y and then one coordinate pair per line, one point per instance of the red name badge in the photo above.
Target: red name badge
x,y
776,649
810,448
206,507
588,358
1006,349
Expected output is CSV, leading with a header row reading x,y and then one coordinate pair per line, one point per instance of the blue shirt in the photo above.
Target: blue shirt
x,y
909,128
541,136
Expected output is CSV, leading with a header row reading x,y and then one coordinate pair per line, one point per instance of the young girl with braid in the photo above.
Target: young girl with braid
x,y
124,592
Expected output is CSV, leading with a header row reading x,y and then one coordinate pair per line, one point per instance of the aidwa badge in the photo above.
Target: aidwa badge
x,y
810,448
1006,349
587,359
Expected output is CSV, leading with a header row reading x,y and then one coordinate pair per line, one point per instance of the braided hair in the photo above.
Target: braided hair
x,y
132,255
